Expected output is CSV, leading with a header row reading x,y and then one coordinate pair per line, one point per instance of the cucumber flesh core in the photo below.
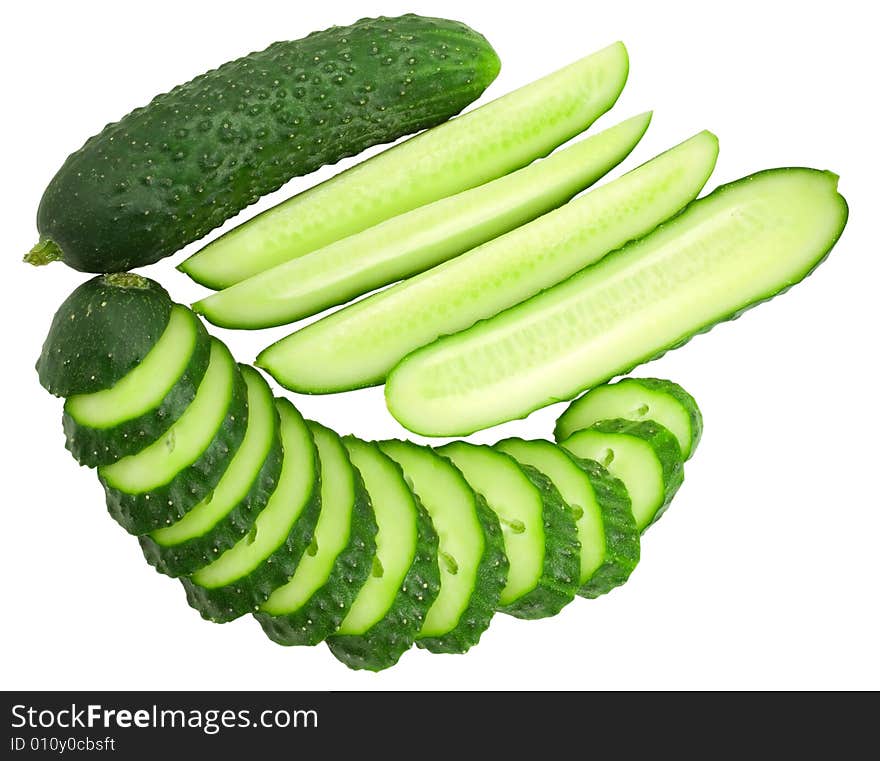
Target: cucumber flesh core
x,y
331,531
633,399
422,238
358,345
518,505
488,142
295,487
243,468
575,488
743,244
186,439
451,504
145,387
395,509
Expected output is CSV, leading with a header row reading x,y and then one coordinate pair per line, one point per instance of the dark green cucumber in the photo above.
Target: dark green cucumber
x,y
388,612
540,535
312,604
246,574
473,566
168,173
637,399
606,529
163,482
108,425
228,513
101,332
643,454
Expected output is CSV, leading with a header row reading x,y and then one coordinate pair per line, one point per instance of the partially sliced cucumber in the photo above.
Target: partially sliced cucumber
x,y
106,426
644,455
317,597
637,399
228,513
163,482
358,345
422,238
473,566
246,574
390,608
540,536
476,147
741,245
601,507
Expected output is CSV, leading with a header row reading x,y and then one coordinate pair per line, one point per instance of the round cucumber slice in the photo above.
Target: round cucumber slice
x,y
644,455
473,566
601,508
311,605
228,513
540,536
637,399
108,425
161,483
246,574
390,608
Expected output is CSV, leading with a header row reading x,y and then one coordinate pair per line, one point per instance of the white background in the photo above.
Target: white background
x,y
764,572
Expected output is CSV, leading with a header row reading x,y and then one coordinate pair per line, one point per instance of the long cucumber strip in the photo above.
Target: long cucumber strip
x,y
419,239
358,345
743,244
467,151
146,385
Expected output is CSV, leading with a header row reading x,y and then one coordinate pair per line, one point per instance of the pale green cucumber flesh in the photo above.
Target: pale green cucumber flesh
x,y
228,514
419,239
144,388
485,143
644,455
317,596
636,399
182,444
575,488
473,568
742,244
359,344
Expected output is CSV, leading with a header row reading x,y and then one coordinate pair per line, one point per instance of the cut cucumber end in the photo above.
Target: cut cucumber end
x,y
45,252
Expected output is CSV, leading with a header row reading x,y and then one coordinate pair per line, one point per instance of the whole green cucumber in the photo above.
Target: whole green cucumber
x,y
168,173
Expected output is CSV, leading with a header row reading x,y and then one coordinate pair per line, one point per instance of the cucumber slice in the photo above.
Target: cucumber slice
x,y
164,481
389,610
107,425
637,399
246,574
642,454
540,536
311,605
743,244
422,238
478,146
600,503
228,513
101,332
358,345
473,566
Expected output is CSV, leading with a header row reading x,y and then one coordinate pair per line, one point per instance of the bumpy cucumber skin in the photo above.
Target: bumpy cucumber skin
x,y
382,645
223,604
142,513
95,447
187,557
560,576
622,539
659,385
101,332
490,581
325,610
168,173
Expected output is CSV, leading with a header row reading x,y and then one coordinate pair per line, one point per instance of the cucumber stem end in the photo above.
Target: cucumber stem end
x,y
45,252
